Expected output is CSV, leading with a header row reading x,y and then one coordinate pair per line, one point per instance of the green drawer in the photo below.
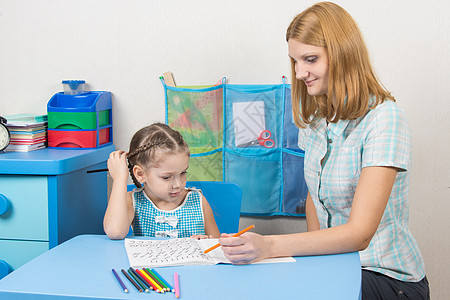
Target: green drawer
x,y
78,120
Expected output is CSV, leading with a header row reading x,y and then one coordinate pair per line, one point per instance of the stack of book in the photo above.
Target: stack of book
x,y
28,132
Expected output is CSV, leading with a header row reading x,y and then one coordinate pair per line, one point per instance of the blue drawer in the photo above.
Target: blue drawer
x,y
27,215
17,253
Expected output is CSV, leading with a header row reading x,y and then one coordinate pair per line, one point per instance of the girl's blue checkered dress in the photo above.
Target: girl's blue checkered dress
x,y
183,221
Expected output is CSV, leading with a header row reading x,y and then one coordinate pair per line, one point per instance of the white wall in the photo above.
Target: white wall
x,y
124,46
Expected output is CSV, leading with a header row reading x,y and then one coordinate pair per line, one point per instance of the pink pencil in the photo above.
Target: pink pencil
x,y
176,284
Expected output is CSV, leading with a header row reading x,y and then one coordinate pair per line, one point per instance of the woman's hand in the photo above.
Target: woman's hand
x,y
117,165
246,248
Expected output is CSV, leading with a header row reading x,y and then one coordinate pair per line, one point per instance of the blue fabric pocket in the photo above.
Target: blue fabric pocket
x,y
294,185
258,173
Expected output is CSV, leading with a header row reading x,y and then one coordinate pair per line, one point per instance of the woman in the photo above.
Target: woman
x,y
357,161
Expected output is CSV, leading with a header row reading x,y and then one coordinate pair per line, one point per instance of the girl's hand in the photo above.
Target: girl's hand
x,y
117,165
201,236
244,249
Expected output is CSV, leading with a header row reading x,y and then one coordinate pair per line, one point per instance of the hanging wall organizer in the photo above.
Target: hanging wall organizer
x,y
242,134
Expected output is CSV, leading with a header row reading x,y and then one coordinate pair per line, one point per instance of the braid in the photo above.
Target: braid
x,y
135,181
142,149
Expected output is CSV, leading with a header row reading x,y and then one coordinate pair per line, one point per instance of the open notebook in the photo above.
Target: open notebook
x,y
178,252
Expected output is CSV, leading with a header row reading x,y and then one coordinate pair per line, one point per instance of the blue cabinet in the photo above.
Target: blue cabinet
x,y
46,198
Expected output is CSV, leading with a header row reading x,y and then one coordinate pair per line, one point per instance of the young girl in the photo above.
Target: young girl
x,y
357,161
161,205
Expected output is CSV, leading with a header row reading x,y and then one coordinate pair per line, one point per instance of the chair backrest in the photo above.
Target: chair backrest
x,y
225,201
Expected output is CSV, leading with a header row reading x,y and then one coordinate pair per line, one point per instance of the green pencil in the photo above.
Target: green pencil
x,y
143,286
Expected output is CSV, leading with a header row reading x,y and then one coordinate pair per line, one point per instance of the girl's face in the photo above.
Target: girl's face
x,y
165,182
311,66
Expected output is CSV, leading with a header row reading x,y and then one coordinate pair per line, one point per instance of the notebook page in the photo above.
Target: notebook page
x,y
163,253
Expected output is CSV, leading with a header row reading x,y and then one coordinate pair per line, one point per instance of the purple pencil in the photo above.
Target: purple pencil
x,y
120,281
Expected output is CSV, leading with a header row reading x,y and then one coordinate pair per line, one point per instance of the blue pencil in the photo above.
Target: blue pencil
x,y
120,281
163,280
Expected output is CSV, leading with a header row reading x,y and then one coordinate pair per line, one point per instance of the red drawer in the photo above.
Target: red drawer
x,y
78,138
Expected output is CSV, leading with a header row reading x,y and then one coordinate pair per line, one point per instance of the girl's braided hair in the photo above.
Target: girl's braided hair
x,y
150,142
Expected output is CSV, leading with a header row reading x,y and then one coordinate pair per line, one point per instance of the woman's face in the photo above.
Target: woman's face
x,y
311,66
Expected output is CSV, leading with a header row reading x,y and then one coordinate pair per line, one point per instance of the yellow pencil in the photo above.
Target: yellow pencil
x,y
159,289
236,234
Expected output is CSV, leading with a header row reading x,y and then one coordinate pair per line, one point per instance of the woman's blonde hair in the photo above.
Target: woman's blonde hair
x,y
351,79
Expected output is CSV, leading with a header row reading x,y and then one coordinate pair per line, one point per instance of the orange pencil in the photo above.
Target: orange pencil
x,y
236,234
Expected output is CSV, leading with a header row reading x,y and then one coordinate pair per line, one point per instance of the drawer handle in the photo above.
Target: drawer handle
x,y
4,204
5,269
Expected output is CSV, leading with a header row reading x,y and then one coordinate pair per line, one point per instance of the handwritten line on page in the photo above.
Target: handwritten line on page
x,y
179,252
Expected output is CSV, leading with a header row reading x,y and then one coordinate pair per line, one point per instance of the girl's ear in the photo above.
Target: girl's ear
x,y
139,173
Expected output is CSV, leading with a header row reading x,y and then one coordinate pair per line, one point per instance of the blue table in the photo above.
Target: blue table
x,y
80,268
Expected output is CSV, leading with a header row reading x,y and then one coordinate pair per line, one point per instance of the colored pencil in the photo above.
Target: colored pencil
x,y
120,281
132,281
151,280
158,280
176,283
168,286
152,276
142,279
132,274
236,234
155,280
145,280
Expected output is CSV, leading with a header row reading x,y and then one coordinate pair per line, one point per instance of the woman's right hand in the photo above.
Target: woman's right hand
x,y
244,249
117,165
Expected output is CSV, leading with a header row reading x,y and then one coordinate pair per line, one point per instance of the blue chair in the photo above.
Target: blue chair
x,y
225,201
